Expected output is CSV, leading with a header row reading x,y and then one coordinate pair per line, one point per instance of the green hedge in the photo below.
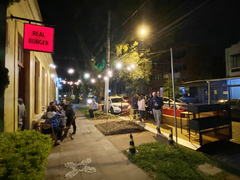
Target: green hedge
x,y
23,155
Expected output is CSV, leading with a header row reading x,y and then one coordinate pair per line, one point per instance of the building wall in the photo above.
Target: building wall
x,y
233,54
190,63
30,76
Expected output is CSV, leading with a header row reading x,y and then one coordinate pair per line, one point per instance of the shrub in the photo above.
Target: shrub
x,y
23,155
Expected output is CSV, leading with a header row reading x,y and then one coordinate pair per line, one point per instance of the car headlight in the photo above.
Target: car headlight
x,y
89,101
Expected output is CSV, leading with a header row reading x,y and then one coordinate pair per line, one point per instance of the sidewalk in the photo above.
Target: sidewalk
x,y
109,161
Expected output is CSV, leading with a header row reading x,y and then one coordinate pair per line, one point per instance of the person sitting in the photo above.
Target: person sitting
x,y
50,105
94,108
62,118
53,117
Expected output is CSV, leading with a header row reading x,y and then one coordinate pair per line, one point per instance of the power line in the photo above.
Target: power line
x,y
131,16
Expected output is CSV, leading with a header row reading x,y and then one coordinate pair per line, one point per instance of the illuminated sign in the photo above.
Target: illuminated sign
x,y
38,38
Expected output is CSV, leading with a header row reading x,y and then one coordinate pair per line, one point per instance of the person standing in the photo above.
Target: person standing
x,y
156,104
141,107
94,108
135,104
70,114
21,113
158,94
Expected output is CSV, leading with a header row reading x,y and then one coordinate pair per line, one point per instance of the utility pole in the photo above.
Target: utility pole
x,y
107,65
174,99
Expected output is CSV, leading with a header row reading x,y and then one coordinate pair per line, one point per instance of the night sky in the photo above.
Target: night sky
x,y
80,26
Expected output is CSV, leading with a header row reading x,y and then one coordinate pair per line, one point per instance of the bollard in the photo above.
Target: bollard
x,y
170,138
131,149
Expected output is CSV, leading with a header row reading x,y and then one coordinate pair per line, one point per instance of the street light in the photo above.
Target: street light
x,y
79,80
71,71
93,81
105,78
119,65
52,66
143,31
109,72
128,68
99,76
132,66
52,75
87,75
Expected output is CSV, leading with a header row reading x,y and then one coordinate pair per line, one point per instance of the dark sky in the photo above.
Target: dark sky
x,y
214,24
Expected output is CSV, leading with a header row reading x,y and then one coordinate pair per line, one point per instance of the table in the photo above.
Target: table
x,y
186,113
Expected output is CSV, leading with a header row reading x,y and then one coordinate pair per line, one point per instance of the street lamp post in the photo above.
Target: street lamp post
x,y
107,66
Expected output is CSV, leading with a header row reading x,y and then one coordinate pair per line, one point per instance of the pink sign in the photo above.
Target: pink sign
x,y
38,38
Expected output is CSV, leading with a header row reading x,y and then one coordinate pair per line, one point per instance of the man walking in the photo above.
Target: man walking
x,y
156,104
70,115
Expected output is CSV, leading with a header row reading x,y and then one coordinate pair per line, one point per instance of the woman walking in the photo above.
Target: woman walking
x,y
141,106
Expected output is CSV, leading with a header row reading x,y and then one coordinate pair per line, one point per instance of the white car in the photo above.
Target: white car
x,y
116,104
179,104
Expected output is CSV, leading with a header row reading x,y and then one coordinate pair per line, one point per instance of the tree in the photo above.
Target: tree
x,y
168,90
136,69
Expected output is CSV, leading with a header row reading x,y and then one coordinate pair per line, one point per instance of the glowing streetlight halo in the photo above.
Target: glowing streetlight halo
x,y
105,78
70,71
93,80
143,31
87,75
119,65
99,76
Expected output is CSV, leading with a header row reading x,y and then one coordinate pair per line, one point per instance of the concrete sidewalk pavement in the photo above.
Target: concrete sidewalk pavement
x,y
108,160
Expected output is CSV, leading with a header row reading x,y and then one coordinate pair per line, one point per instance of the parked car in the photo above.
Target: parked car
x,y
188,99
235,107
126,99
116,104
179,103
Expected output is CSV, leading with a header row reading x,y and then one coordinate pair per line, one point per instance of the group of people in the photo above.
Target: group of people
x,y
149,105
59,116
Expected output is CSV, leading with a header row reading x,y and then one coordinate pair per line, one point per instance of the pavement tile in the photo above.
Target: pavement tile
x,y
104,161
113,151
77,177
93,176
99,153
54,155
79,141
119,176
110,170
68,153
53,162
66,159
55,149
136,174
52,178
126,165
67,148
119,157
52,172
82,156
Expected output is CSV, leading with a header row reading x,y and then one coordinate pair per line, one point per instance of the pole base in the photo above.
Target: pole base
x,y
128,151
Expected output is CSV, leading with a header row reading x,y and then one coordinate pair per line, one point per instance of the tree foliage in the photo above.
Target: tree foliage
x,y
168,89
140,66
